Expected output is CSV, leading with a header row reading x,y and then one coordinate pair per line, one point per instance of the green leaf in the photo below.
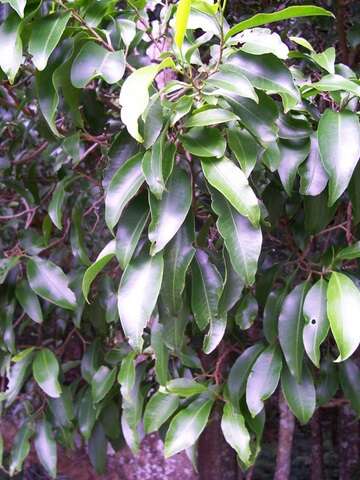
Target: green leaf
x,y
186,427
95,61
104,257
204,142
215,333
20,448
263,379
339,143
178,255
11,50
153,122
17,5
292,154
235,432
343,304
244,147
242,240
247,311
316,322
313,178
123,187
239,372
259,41
17,376
137,304
45,35
127,375
169,213
185,387
268,73
46,371
284,14
271,314
87,414
153,166
102,382
228,82
328,382
50,283
77,235
232,183
325,59
349,253
349,374
134,95
207,286
98,449
6,264
158,410
45,446
299,394
62,409
291,324
211,116
56,205
181,19
29,301
334,83
161,353
1,450
233,286
130,228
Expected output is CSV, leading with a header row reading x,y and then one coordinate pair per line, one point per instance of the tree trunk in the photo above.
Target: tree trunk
x,y
348,447
216,459
317,467
285,440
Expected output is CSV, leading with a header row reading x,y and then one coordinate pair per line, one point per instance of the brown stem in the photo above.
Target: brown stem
x,y
341,30
285,440
348,438
317,467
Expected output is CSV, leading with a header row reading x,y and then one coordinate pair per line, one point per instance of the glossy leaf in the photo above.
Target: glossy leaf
x,y
212,116
291,324
339,143
17,5
45,446
325,59
316,322
246,312
263,379
228,81
102,382
21,448
235,432
29,301
137,304
204,142
244,147
11,50
231,182
158,410
313,178
343,303
185,387
328,382
349,375
181,19
242,240
299,394
95,61
50,283
86,414
46,371
186,427
169,213
292,154
16,377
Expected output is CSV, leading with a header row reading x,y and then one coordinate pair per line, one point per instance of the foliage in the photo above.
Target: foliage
x,y
215,189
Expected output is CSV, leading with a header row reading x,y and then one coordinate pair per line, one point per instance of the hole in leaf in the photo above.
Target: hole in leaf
x,y
313,321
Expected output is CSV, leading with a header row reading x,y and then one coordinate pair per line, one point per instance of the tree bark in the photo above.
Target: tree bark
x,y
216,459
285,440
348,438
317,464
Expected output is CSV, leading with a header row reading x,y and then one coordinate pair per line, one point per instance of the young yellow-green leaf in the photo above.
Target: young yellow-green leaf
x,y
20,448
181,19
242,240
95,61
291,324
231,182
299,394
11,51
123,187
316,322
104,257
204,142
29,301
235,432
263,379
101,383
212,116
284,14
169,213
185,387
17,5
159,408
45,446
325,59
138,292
134,95
46,371
239,372
339,143
45,35
186,427
130,228
50,283
343,305
207,286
